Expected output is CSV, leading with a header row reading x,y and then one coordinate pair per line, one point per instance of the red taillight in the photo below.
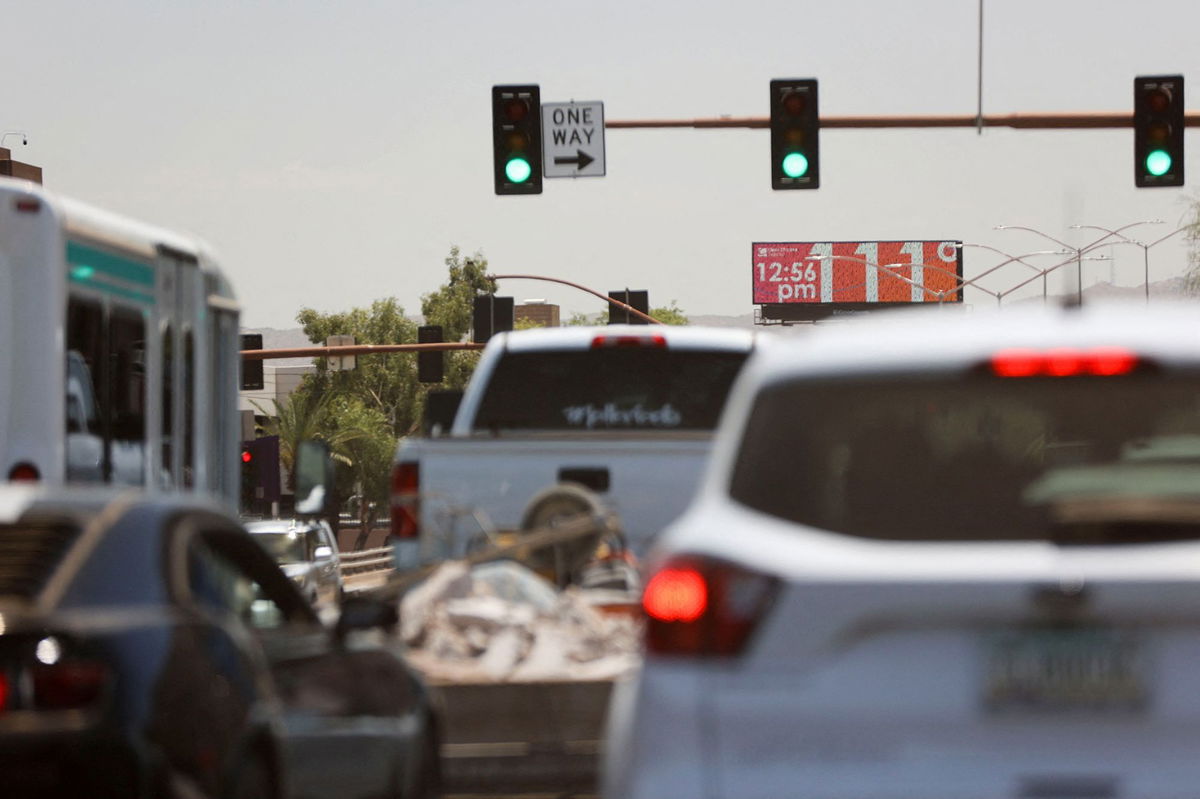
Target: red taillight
x,y
27,205
406,499
1064,362
24,472
676,595
704,608
649,340
69,685
3,692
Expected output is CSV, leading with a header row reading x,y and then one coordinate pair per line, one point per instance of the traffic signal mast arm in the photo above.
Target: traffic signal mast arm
x,y
355,349
607,299
1046,121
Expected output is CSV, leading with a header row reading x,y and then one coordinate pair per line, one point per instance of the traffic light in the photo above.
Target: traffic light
x,y
1158,131
639,300
517,138
260,472
252,370
795,125
431,366
491,315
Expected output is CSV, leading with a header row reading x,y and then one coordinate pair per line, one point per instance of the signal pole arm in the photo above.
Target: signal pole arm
x,y
1045,121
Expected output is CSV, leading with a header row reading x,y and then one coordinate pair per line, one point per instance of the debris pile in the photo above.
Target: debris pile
x,y
501,622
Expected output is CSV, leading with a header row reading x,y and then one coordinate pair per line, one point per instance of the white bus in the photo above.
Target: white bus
x,y
118,351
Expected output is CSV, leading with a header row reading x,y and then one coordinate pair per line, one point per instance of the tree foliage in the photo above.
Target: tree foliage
x,y
362,412
669,315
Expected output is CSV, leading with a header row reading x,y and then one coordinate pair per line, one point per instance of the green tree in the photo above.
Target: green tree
x,y
451,307
365,448
362,412
301,416
386,382
669,315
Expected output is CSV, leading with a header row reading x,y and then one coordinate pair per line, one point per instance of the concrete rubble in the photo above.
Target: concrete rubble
x,y
501,622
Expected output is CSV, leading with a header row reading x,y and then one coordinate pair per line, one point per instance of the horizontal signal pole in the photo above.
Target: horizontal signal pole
x,y
1048,121
593,292
355,349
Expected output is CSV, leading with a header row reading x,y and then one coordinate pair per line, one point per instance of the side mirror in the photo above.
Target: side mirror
x,y
323,551
360,613
314,478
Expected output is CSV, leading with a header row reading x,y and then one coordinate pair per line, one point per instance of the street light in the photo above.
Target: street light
x,y
1145,247
1076,259
1079,251
1010,259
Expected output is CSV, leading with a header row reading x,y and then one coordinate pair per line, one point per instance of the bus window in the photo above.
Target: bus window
x,y
84,404
127,392
168,397
189,409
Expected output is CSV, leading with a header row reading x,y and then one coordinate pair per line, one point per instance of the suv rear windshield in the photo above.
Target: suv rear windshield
x,y
609,389
969,459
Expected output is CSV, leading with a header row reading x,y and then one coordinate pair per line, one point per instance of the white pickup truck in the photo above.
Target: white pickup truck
x,y
626,411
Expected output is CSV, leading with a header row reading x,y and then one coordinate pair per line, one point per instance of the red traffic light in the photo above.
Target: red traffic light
x,y
247,456
516,109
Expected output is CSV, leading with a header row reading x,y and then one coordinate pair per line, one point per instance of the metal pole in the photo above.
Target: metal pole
x,y
979,112
1146,270
1027,121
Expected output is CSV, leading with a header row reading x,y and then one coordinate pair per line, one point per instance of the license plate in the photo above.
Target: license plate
x,y
1064,669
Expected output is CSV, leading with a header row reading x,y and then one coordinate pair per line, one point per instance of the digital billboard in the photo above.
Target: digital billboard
x,y
856,274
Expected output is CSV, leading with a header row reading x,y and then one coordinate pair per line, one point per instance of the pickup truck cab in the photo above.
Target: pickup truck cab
x,y
625,411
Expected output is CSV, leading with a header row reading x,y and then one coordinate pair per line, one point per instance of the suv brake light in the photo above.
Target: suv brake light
x,y
605,341
406,499
702,607
1064,362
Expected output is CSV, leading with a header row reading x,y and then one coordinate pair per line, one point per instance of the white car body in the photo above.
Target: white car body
x,y
876,668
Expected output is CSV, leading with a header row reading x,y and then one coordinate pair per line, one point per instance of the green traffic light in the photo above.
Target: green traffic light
x,y
795,165
1158,163
517,170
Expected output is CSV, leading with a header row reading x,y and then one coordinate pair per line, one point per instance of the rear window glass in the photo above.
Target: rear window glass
x,y
967,459
611,389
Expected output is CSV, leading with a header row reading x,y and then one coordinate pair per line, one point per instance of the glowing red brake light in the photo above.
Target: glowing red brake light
x,y
24,472
3,692
1064,362
1108,361
605,341
701,607
676,595
406,499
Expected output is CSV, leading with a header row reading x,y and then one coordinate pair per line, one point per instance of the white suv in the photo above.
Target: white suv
x,y
935,554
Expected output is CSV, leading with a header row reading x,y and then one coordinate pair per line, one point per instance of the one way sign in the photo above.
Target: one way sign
x,y
573,140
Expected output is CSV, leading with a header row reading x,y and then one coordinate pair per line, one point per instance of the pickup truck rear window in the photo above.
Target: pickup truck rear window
x,y
609,389
965,459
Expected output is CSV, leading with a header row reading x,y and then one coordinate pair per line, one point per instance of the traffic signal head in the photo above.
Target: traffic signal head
x,y
431,366
1158,122
795,124
517,139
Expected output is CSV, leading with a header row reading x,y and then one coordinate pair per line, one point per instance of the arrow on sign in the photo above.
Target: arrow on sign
x,y
581,159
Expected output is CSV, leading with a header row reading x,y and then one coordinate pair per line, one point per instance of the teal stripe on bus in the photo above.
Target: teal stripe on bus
x,y
108,288
79,255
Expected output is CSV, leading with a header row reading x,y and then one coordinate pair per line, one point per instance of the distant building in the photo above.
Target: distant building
x,y
539,312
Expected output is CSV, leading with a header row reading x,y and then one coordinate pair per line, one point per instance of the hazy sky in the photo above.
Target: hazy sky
x,y
332,153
